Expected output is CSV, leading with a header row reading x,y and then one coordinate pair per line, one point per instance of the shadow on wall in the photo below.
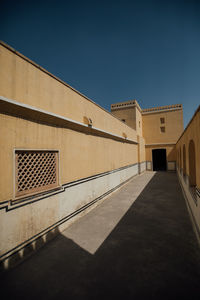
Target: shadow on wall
x,y
152,253
17,257
172,154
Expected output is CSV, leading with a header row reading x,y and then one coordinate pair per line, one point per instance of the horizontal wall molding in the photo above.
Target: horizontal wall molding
x,y
56,78
160,144
73,201
16,203
28,112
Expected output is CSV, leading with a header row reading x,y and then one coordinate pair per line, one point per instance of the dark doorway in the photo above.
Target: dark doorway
x,y
159,159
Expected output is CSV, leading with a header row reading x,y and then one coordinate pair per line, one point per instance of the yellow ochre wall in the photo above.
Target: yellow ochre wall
x,y
173,126
141,152
170,152
26,83
186,173
81,154
192,132
128,114
132,115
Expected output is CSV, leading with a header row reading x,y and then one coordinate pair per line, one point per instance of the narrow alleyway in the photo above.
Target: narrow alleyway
x,y
138,244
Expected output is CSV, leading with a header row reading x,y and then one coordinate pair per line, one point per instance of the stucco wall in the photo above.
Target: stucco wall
x,y
191,192
128,114
192,132
39,112
170,151
173,126
141,152
81,155
27,83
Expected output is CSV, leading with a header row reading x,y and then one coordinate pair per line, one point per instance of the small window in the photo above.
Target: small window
x,y
35,171
162,129
139,123
123,120
162,120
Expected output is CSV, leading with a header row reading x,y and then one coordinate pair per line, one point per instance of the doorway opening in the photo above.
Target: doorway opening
x,y
159,160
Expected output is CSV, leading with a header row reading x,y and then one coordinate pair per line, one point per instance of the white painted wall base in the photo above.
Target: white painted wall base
x,y
171,166
23,223
149,165
142,166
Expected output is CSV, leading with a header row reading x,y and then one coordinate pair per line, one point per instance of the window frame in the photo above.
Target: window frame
x,y
164,127
34,192
162,119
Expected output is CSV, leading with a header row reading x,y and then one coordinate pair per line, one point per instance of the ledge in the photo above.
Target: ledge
x,y
28,112
160,144
24,200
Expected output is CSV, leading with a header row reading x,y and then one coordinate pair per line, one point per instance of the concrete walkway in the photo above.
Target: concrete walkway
x,y
138,244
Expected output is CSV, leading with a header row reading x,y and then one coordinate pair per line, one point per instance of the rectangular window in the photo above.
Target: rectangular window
x,y
162,129
162,120
35,171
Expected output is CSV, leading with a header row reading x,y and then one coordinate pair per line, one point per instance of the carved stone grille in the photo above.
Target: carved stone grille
x,y
35,171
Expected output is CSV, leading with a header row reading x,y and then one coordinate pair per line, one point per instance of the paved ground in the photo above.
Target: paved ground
x,y
123,249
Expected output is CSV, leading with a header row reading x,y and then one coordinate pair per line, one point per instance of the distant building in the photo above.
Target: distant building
x,y
160,127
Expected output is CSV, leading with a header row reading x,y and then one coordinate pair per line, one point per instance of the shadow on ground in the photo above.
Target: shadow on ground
x,y
152,253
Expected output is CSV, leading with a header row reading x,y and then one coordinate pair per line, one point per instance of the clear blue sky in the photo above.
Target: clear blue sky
x,y
113,50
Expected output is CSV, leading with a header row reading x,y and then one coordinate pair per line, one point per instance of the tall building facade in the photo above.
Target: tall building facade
x,y
160,128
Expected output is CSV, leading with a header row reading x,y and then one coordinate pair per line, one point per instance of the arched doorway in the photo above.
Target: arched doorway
x,y
159,160
192,164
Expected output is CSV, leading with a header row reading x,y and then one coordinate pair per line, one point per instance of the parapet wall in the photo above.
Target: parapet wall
x,y
162,108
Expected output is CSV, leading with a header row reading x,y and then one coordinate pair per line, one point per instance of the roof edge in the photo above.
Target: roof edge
x,y
56,78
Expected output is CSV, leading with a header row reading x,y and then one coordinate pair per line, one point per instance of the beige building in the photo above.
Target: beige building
x,y
158,127
61,153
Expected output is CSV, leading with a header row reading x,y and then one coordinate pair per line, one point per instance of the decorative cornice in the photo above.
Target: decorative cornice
x,y
125,105
162,109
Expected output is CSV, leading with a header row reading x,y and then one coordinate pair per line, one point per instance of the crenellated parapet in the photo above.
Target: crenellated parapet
x,y
126,104
162,108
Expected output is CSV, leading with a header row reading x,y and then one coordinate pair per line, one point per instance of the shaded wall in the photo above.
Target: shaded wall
x,y
188,165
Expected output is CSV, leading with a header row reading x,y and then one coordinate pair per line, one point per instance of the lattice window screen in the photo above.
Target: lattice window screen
x,y
35,171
